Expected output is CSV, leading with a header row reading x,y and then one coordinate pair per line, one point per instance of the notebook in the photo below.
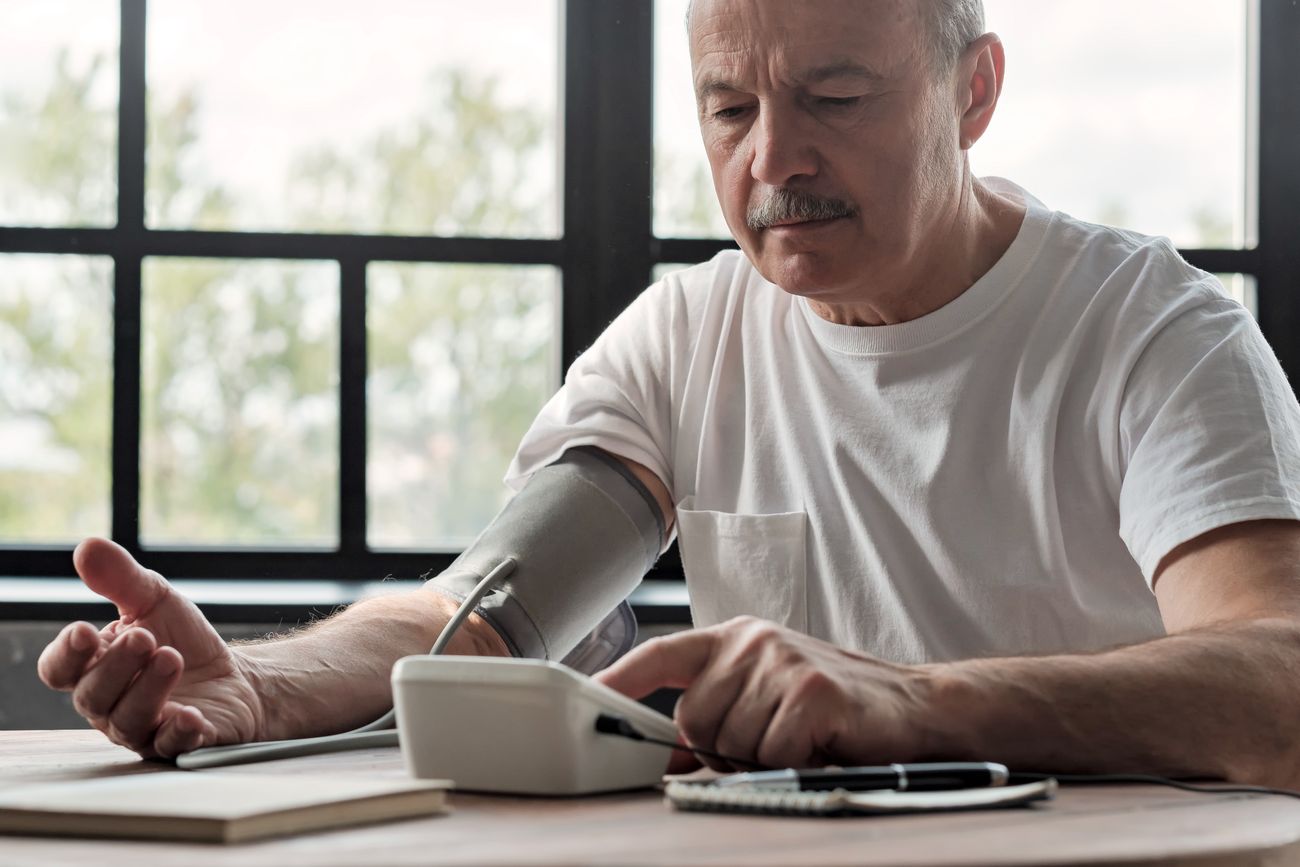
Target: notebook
x,y
838,802
212,807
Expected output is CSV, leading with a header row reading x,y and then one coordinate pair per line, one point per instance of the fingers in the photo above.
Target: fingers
x,y
679,661
752,692
100,688
744,721
701,709
110,571
787,741
183,729
66,658
138,712
672,661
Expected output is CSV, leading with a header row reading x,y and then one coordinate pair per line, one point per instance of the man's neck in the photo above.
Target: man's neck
x,y
965,245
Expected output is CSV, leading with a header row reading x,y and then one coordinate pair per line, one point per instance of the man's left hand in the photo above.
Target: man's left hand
x,y
762,693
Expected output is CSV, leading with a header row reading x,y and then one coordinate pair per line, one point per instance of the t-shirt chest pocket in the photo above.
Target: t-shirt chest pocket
x,y
744,564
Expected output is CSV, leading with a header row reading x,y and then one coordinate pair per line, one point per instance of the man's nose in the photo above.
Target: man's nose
x,y
782,149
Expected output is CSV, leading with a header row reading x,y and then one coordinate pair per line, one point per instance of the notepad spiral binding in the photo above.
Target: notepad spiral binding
x,y
839,802
703,797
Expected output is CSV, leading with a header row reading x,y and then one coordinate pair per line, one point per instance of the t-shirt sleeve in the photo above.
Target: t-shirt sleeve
x,y
1209,430
616,395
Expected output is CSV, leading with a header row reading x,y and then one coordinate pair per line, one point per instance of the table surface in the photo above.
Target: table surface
x,y
1084,825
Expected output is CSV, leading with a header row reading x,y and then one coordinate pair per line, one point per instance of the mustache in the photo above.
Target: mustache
x,y
783,205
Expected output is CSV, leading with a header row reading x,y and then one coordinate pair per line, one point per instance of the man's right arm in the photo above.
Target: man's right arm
x,y
334,675
657,489
161,681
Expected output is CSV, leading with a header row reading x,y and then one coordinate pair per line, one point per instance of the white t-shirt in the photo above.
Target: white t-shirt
x,y
1001,476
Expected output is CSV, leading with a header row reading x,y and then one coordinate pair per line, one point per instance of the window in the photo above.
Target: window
x,y
58,114
239,407
282,284
462,357
1113,124
55,396
402,117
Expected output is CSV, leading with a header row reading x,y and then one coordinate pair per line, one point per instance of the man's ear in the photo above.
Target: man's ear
x,y
979,81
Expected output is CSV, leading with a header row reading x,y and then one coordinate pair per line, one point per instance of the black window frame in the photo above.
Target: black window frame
x,y
606,253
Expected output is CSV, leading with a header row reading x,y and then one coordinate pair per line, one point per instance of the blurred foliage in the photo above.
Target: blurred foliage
x,y
57,163
464,164
240,357
58,152
239,414
55,379
461,359
685,204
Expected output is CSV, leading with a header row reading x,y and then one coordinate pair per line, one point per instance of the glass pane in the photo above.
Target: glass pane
x,y
461,359
239,410
685,205
58,113
56,370
393,116
1241,288
1130,114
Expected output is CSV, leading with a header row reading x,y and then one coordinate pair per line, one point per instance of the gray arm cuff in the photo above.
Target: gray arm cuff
x,y
583,532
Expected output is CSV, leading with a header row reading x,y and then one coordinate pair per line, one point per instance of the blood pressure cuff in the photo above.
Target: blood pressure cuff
x,y
582,533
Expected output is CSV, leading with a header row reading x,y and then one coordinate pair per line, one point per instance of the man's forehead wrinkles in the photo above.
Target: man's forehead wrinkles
x,y
739,69
720,67
841,68
750,49
730,63
723,40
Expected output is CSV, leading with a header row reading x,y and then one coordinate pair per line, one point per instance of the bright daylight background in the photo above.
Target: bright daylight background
x,y
437,117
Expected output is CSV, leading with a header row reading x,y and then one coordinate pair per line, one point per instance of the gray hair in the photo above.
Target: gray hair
x,y
953,25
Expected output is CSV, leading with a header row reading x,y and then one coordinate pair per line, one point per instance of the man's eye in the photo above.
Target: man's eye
x,y
838,101
729,113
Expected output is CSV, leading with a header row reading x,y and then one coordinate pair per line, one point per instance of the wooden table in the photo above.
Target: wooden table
x,y
1088,825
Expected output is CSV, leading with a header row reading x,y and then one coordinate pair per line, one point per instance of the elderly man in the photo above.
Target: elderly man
x,y
988,481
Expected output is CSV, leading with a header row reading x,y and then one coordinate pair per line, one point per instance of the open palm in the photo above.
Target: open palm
x,y
159,679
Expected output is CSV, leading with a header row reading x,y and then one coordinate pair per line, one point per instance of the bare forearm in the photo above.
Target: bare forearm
x,y
334,675
1217,702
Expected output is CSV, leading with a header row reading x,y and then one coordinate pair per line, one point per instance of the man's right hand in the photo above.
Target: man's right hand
x,y
159,679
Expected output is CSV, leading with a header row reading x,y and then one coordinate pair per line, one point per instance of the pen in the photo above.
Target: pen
x,y
929,777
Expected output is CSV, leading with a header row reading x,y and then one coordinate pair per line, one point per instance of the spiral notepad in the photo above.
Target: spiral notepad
x,y
726,799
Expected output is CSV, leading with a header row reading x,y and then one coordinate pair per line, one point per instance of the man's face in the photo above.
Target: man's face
x,y
832,140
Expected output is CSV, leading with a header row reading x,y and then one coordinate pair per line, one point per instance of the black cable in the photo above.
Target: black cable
x,y
610,724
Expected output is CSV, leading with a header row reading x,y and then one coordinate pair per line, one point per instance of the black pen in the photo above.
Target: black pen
x,y
927,777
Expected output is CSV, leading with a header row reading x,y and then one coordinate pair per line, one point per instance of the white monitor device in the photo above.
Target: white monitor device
x,y
521,726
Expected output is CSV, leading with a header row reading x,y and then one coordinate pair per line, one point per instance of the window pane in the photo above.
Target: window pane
x,y
55,396
239,411
393,116
1131,114
684,202
462,357
1241,288
58,113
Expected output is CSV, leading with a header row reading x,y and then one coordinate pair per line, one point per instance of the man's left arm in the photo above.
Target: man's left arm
x,y
1217,697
